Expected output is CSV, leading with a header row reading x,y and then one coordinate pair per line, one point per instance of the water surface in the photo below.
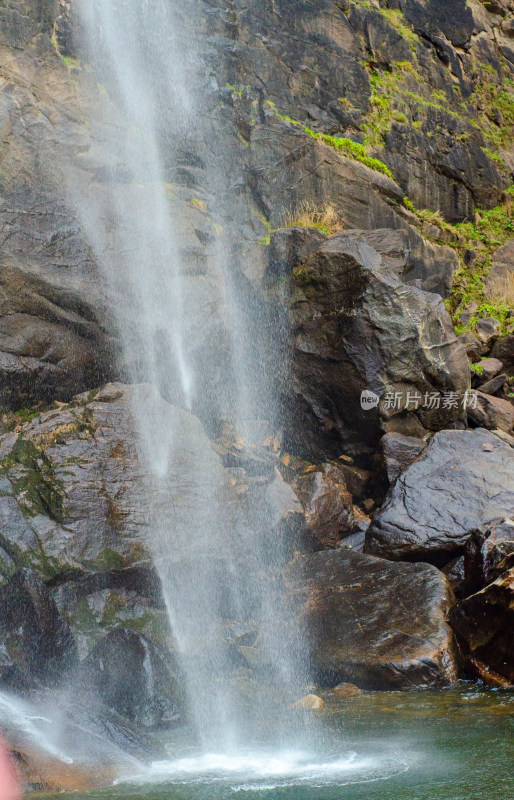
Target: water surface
x,y
448,745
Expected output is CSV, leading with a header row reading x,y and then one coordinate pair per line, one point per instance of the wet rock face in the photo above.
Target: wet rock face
x,y
56,323
377,624
73,492
485,550
485,621
38,644
135,677
356,327
399,452
461,478
328,504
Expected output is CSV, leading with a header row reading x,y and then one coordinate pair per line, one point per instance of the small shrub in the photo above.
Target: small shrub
x,y
307,215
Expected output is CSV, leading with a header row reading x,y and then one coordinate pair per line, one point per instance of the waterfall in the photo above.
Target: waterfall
x,y
186,321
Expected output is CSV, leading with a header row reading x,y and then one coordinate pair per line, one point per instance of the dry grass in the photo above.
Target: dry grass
x,y
307,215
500,290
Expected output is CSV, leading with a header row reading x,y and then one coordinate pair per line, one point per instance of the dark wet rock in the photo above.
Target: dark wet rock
x,y
10,676
374,623
382,40
328,504
436,18
135,677
485,550
463,479
289,247
47,355
454,572
399,452
356,327
491,412
356,480
414,260
504,351
38,642
484,621
354,542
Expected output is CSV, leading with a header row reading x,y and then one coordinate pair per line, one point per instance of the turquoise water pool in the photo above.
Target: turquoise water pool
x,y
447,745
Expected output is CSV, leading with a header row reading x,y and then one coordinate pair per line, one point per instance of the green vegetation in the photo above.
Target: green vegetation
x,y
33,479
340,144
397,20
71,63
489,230
493,103
325,218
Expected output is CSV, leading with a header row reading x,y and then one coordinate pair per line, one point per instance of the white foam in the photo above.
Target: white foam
x,y
265,771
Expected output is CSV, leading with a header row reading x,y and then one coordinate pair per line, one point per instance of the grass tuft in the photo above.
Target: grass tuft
x,y
326,218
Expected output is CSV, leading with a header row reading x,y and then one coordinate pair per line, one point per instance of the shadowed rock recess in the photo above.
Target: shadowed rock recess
x,y
366,217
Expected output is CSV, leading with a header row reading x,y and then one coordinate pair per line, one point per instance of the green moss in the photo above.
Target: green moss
x,y
24,415
107,560
115,602
33,479
267,237
489,230
340,144
71,63
397,20
493,103
48,566
302,276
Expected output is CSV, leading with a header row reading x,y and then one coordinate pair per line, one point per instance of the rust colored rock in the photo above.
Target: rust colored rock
x,y
328,504
375,623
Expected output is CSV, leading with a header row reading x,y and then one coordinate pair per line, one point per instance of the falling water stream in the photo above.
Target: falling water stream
x,y
186,326
183,327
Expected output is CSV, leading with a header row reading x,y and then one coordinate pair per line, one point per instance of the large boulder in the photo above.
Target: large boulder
x,y
374,623
463,479
135,677
37,642
356,327
75,479
485,622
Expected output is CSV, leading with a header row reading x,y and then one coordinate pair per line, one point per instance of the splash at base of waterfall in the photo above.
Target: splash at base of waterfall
x,y
266,770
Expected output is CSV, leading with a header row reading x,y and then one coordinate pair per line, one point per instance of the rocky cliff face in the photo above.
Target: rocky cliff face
x,y
371,170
